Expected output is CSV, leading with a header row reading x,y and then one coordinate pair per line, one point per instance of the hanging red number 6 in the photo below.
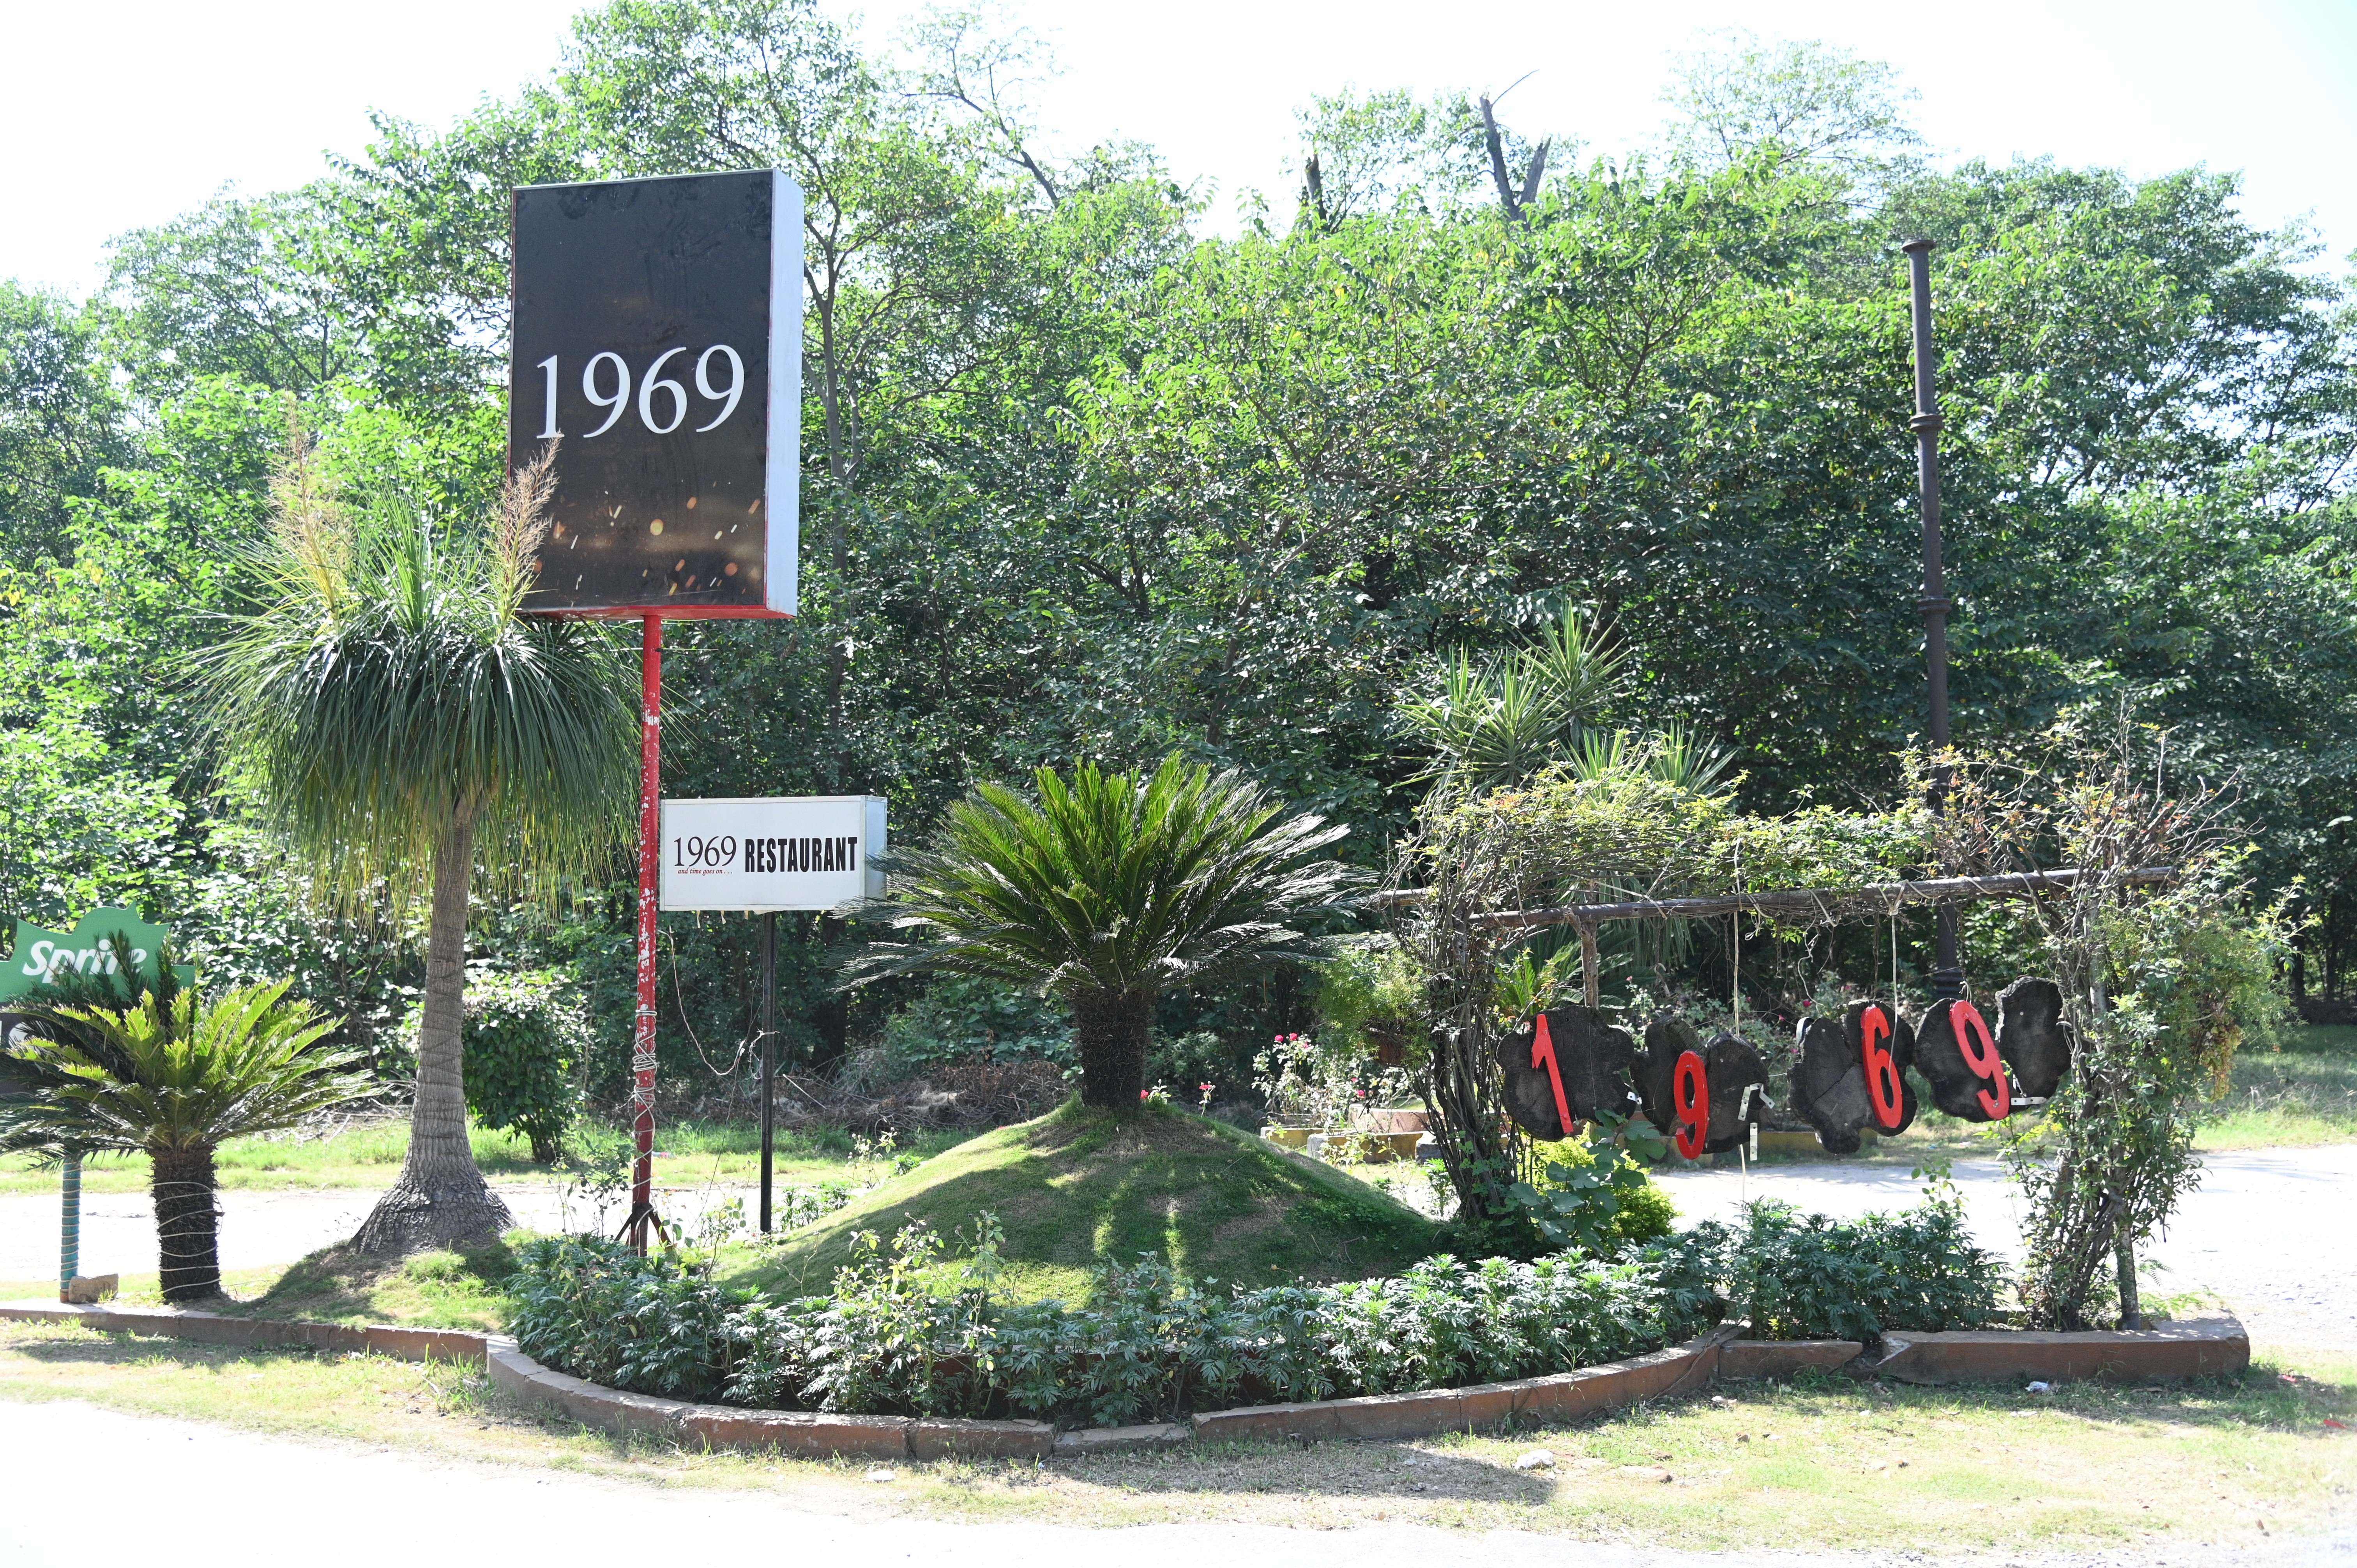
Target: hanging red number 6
x,y
1690,1098
1978,1048
1881,1072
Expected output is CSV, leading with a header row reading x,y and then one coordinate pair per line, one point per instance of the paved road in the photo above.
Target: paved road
x,y
223,1496
2267,1230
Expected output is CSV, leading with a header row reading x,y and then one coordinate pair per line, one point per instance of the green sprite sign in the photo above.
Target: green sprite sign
x,y
41,957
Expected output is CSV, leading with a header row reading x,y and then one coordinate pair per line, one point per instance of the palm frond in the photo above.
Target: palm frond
x,y
386,687
1112,882
178,1074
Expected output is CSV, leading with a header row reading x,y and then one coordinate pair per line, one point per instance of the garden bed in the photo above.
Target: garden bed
x,y
2200,1347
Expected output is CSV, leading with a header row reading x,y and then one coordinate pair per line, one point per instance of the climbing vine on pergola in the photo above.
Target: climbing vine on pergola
x,y
2112,867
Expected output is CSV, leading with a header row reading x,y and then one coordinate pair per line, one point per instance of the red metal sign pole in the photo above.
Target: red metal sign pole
x,y
642,1051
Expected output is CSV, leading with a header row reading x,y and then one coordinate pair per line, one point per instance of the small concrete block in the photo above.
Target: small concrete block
x,y
812,1434
1090,1440
944,1439
1267,1423
1486,1404
2199,1348
424,1344
1397,1415
1783,1358
91,1288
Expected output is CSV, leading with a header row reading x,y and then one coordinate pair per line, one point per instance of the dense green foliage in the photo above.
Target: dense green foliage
x,y
1081,479
893,1336
1798,1276
1107,890
903,1330
526,1041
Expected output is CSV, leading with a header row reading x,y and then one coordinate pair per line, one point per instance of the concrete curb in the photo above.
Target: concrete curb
x,y
2201,1347
213,1328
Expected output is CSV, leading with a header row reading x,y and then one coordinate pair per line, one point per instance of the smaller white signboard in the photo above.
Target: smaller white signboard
x,y
788,851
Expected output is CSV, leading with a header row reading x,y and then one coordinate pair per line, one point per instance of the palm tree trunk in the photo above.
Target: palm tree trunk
x,y
440,1200
1113,1026
187,1239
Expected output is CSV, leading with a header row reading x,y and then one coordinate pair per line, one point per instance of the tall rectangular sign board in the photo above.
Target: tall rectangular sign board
x,y
658,338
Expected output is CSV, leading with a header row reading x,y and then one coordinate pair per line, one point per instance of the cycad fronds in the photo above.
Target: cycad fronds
x,y
182,1074
1112,883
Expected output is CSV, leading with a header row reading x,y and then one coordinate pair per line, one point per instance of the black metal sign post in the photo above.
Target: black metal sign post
x,y
769,1057
1947,977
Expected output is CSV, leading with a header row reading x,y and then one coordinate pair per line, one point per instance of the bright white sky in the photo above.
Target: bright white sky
x,y
124,115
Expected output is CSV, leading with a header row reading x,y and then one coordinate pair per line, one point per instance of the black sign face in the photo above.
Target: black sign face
x,y
658,336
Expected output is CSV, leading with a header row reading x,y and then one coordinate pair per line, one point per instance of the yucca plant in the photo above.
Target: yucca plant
x,y
174,1077
1495,722
1107,890
414,736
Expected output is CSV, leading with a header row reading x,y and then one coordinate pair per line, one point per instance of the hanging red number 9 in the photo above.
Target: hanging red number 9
x,y
1690,1099
1881,1071
1978,1048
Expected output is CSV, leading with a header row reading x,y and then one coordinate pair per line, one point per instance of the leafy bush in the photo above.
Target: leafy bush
x,y
961,1018
905,1331
1808,1277
524,1037
602,1312
1595,1194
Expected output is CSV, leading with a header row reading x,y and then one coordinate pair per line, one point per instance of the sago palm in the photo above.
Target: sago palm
x,y
173,1078
1108,890
414,736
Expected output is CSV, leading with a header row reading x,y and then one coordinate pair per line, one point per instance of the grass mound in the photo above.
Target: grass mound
x,y
1081,1186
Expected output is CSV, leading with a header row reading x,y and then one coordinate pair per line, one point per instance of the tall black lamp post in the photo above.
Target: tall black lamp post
x,y
1947,977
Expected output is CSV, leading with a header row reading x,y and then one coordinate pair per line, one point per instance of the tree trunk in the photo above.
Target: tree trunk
x,y
187,1240
440,1199
2124,1258
1113,1026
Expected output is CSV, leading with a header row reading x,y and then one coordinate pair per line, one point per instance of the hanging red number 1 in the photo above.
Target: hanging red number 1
x,y
1543,1055
1881,1071
1690,1099
1978,1048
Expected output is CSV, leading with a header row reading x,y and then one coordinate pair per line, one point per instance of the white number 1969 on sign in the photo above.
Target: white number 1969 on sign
x,y
655,383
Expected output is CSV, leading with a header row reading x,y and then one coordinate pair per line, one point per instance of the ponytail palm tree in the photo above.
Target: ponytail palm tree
x,y
1108,890
416,737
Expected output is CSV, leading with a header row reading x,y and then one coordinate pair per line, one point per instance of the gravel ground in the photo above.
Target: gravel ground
x,y
287,1498
2250,1233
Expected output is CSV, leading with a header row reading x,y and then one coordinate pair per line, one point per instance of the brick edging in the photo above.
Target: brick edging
x,y
2199,1348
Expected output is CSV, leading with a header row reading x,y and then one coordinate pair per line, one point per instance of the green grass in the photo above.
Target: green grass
x,y
430,1290
1078,1188
2305,1093
1810,1465
368,1156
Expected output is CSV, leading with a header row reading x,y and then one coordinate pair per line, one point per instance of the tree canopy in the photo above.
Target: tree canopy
x,y
1084,477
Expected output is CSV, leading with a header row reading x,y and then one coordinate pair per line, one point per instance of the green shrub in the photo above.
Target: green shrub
x,y
1807,1277
525,1038
906,1332
962,1017
1592,1193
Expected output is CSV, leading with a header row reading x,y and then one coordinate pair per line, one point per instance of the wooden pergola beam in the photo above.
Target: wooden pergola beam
x,y
1891,894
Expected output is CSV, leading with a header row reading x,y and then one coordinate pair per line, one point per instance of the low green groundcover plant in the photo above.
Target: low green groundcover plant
x,y
906,1332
